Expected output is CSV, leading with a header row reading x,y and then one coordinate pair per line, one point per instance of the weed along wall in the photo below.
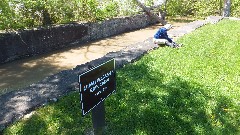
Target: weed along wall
x,y
27,43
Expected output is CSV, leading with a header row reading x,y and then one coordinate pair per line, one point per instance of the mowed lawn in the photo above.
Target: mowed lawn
x,y
191,90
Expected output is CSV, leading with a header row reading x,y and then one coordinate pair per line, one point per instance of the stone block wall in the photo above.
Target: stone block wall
x,y
27,43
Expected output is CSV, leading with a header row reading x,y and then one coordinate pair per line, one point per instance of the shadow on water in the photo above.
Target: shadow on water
x,y
22,73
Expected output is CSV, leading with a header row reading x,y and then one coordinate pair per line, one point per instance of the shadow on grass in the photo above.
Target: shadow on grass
x,y
62,117
147,105
144,104
36,125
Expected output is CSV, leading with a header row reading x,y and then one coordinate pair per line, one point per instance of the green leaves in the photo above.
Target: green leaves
x,y
201,8
24,14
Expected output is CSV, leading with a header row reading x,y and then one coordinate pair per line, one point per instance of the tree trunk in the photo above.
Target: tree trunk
x,y
148,11
165,7
226,8
220,7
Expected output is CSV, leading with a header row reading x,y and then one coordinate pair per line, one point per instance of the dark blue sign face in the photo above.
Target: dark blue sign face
x,y
96,85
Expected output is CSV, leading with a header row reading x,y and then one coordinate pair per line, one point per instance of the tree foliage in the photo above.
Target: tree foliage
x,y
22,14
200,7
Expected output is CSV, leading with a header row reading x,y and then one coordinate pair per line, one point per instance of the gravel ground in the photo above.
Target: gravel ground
x,y
14,105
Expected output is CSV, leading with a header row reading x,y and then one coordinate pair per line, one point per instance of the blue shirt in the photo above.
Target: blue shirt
x,y
162,34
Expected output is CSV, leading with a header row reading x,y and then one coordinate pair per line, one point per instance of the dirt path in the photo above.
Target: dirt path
x,y
22,73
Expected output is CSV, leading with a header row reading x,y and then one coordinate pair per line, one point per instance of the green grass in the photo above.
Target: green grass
x,y
191,90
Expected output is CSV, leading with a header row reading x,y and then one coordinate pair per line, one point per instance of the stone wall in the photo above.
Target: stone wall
x,y
27,43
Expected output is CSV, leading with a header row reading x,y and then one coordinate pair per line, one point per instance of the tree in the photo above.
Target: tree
x,y
148,11
226,8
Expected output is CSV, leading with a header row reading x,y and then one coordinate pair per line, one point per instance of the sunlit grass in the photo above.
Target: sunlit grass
x,y
191,90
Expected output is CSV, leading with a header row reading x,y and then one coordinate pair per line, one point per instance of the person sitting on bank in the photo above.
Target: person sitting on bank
x,y
161,37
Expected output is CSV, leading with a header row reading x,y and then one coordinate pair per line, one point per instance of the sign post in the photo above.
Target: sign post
x,y
98,119
96,85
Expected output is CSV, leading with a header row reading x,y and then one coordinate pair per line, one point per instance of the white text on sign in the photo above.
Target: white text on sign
x,y
94,85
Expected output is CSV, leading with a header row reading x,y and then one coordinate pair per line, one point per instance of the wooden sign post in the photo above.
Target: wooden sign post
x,y
96,85
98,119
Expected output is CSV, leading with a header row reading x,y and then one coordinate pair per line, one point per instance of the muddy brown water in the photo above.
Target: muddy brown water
x,y
22,73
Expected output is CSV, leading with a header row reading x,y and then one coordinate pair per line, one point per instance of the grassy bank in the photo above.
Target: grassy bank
x,y
191,90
